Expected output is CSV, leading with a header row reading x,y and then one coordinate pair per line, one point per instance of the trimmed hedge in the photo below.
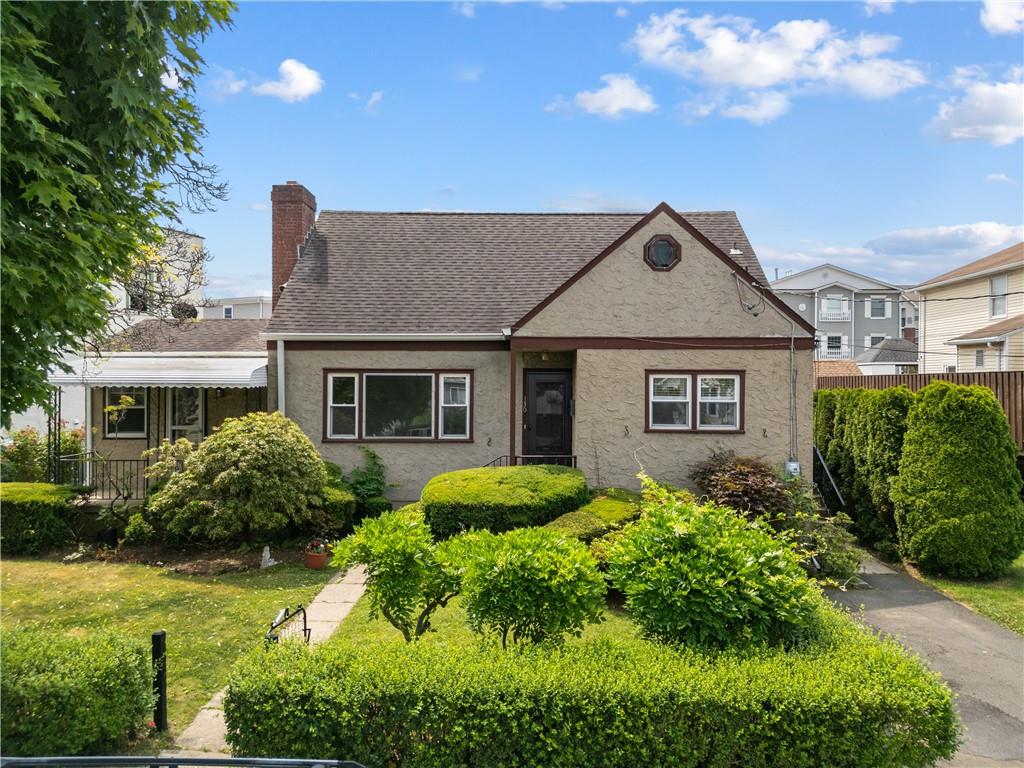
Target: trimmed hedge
x,y
610,509
501,498
847,700
337,512
71,696
957,497
34,517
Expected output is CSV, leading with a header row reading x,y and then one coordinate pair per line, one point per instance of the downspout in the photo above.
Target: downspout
x,y
280,376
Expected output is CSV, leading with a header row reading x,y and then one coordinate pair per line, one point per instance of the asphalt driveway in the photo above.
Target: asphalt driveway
x,y
982,662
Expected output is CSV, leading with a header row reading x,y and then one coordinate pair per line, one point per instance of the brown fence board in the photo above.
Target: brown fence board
x,y
1008,387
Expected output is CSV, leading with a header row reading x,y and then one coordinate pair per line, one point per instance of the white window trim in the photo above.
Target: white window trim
x,y
869,306
992,299
228,312
441,405
171,426
118,434
331,404
979,359
651,399
737,400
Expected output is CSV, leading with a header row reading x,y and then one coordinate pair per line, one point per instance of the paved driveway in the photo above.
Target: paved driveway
x,y
981,661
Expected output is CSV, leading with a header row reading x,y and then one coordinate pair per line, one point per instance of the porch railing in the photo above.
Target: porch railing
x,y
102,477
564,460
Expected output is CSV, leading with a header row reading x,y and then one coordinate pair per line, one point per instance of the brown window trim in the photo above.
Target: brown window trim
x,y
693,373
360,374
677,252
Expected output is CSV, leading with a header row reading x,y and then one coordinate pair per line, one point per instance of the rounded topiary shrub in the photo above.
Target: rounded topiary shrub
x,y
957,496
501,498
72,696
702,575
256,476
34,517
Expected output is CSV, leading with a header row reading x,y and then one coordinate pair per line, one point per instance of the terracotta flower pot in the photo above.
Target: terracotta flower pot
x,y
316,560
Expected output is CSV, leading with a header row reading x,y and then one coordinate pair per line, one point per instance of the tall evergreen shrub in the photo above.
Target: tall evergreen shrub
x,y
957,496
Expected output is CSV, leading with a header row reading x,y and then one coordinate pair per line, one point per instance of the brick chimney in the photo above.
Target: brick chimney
x,y
910,334
293,209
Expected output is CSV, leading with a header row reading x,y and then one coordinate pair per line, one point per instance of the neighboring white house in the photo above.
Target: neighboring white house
x,y
972,317
238,308
888,356
851,312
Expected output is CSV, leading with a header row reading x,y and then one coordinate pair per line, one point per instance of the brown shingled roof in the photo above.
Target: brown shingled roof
x,y
191,336
1009,257
365,272
835,368
1003,327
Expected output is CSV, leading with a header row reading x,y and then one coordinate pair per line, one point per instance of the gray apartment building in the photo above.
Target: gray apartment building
x,y
851,312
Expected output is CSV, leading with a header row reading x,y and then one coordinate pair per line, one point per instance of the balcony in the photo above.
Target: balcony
x,y
833,316
834,353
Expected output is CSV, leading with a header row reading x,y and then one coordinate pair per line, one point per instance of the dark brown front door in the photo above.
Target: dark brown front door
x,y
547,421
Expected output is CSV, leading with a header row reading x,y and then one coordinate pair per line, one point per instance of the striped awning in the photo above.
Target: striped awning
x,y
156,369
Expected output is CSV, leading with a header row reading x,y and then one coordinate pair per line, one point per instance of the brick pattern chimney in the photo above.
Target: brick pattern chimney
x,y
910,334
293,209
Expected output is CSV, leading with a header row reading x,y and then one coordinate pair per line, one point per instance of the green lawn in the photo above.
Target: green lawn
x,y
1001,600
209,620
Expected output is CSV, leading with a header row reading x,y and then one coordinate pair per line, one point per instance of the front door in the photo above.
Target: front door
x,y
547,418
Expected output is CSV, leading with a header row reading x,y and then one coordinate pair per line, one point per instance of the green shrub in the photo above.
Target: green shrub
x,y
529,585
370,480
336,513
256,477
957,496
335,477
407,575
70,696
703,575
610,509
601,547
23,459
847,700
34,517
374,506
886,421
750,486
580,524
501,498
824,418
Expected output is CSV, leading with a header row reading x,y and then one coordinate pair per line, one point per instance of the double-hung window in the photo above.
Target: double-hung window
x,y
998,286
877,307
398,405
124,412
682,401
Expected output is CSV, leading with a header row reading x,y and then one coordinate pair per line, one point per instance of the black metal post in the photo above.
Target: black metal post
x,y
160,679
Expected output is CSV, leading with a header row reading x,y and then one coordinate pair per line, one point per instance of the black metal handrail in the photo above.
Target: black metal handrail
x,y
288,619
821,474
171,761
519,459
105,478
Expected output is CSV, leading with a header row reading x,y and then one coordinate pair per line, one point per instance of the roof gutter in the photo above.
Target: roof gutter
x,y
383,336
984,339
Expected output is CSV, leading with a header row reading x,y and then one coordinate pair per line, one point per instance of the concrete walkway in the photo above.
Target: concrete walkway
x,y
206,736
982,662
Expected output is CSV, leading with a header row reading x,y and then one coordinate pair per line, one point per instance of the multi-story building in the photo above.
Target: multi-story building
x,y
237,308
851,312
972,317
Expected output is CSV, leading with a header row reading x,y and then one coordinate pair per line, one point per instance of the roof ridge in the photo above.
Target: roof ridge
x,y
508,213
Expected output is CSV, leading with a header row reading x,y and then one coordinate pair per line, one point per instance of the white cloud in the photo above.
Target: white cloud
x,y
986,111
374,101
738,59
224,286
762,108
600,202
169,78
871,7
974,240
227,83
620,94
1003,17
999,178
622,12
297,82
257,206
552,5
465,9
469,75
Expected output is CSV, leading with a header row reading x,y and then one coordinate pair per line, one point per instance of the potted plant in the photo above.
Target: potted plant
x,y
316,553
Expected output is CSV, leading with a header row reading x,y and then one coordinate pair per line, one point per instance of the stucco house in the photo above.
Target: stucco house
x,y
610,341
972,317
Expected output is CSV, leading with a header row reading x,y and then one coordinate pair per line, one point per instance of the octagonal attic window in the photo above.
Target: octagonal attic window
x,y
662,252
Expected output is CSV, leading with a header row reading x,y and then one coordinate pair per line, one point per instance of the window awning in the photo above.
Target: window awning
x,y
157,369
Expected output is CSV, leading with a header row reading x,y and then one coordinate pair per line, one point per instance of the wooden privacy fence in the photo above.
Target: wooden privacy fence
x,y
1007,385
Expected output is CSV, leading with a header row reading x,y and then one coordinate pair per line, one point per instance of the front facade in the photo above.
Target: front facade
x,y
972,318
612,341
236,308
852,312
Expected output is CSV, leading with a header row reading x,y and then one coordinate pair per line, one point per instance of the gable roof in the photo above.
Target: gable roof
x,y
455,273
1008,257
1007,327
889,351
213,335
777,285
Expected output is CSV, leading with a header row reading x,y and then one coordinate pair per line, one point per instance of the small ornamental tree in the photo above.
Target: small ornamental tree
x,y
529,585
957,496
252,478
407,575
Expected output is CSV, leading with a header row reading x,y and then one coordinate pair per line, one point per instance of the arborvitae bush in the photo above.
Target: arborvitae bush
x,y
886,425
824,418
846,443
957,496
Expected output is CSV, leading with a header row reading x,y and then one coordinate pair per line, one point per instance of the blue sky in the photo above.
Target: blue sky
x,y
885,137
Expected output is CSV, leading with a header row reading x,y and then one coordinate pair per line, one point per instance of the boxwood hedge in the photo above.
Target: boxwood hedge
x,y
847,699
609,510
72,696
501,498
35,517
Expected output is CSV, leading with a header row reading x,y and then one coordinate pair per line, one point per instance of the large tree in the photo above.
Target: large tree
x,y
101,139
